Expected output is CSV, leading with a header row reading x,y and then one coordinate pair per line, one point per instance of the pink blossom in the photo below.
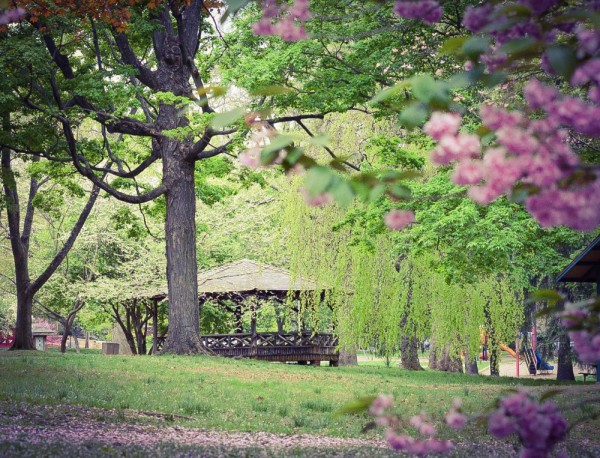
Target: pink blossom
x,y
585,342
589,41
517,140
291,25
495,118
250,158
594,95
500,171
539,427
441,124
12,15
538,95
289,31
428,11
589,71
467,172
493,61
263,27
476,18
380,404
300,10
398,219
320,200
452,148
456,420
482,194
500,426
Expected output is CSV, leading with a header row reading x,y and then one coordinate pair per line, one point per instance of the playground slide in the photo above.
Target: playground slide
x,y
508,350
541,364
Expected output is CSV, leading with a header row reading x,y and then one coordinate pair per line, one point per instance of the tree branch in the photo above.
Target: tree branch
x,y
145,75
326,148
35,286
213,152
295,118
28,223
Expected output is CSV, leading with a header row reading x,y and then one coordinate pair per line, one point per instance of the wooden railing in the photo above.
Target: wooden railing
x,y
273,346
6,341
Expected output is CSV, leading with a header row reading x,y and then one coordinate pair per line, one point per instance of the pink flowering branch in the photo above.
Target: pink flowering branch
x,y
538,425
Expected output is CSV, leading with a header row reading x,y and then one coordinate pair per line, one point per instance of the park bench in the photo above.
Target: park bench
x,y
587,370
586,374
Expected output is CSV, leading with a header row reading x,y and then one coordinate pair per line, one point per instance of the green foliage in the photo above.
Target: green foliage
x,y
388,152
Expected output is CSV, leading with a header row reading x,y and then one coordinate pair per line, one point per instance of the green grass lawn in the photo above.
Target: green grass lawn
x,y
247,395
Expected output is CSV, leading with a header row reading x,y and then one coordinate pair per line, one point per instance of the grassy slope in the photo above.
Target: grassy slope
x,y
241,395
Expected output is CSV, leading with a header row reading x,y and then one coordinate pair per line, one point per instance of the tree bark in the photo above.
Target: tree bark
x,y
66,330
182,271
448,362
23,334
348,357
432,355
76,343
409,354
471,364
565,362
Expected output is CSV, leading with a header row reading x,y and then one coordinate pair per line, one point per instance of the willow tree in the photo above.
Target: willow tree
x,y
460,313
129,71
370,291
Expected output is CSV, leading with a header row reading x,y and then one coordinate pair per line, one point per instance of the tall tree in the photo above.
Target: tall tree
x,y
75,65
20,222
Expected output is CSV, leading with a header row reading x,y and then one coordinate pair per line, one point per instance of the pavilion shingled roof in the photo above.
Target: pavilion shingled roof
x,y
247,276
585,267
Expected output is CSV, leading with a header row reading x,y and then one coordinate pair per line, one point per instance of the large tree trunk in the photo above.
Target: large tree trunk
x,y
448,362
23,335
565,363
432,355
65,336
348,357
471,364
409,352
180,230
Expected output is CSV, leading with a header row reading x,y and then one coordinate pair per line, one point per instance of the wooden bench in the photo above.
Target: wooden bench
x,y
586,374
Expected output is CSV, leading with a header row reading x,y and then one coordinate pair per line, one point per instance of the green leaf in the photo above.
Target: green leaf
x,y
227,118
562,59
271,90
342,192
388,93
216,91
318,179
491,80
550,394
294,155
518,45
356,407
278,143
429,91
233,6
475,46
319,140
377,192
459,81
400,192
413,116
453,45
545,295
515,10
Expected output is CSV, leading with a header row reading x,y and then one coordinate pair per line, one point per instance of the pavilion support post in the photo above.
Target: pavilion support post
x,y
253,350
154,326
598,294
239,326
